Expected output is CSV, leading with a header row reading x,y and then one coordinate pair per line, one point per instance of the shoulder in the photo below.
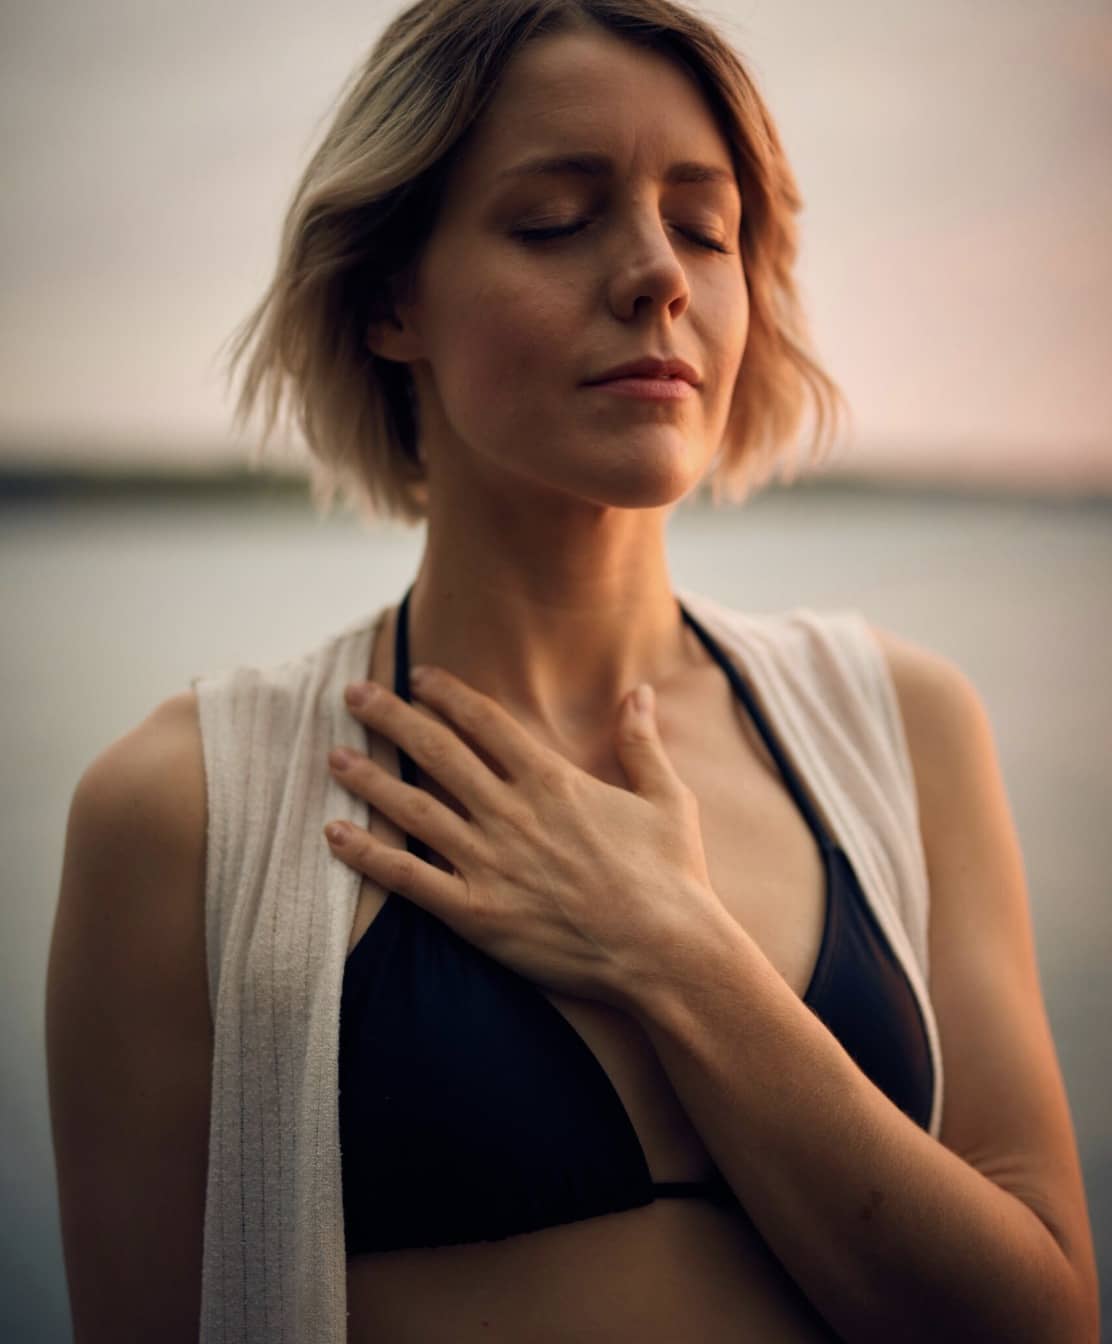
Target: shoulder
x,y
932,690
984,978
949,734
147,788
135,853
129,1032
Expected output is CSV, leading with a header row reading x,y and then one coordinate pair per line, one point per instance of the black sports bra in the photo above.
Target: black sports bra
x,y
471,1109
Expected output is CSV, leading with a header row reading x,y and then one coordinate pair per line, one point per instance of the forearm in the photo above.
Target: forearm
x,y
888,1233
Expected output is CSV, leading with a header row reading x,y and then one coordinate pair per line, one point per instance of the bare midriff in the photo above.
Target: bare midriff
x,y
676,1270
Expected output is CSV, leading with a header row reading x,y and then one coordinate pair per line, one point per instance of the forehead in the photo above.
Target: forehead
x,y
592,91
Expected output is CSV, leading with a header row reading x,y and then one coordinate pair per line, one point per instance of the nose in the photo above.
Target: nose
x,y
648,264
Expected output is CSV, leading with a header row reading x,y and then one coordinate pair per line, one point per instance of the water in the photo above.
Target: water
x,y
109,608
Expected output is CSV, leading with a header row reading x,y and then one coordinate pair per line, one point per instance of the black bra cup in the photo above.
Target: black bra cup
x,y
472,1110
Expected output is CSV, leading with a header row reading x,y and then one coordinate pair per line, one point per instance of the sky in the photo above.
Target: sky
x,y
956,240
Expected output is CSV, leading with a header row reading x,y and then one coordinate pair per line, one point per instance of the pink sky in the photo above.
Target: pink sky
x,y
956,254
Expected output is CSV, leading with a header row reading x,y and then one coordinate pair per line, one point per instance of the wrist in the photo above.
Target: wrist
x,y
666,972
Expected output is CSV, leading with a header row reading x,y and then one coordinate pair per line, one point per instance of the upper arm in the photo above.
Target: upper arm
x,y
1005,1107
129,1034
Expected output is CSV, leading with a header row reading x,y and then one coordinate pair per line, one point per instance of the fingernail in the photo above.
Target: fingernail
x,y
356,695
336,832
644,698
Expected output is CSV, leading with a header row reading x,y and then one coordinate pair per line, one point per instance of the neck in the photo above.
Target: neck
x,y
556,634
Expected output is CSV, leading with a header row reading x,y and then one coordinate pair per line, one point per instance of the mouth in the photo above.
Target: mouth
x,y
659,368
649,389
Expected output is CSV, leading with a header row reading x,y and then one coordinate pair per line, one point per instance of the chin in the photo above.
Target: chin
x,y
646,475
641,489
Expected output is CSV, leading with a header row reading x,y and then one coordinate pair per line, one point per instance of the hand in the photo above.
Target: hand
x,y
569,881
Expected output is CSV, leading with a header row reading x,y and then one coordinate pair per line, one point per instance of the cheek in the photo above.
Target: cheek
x,y
507,345
738,316
726,325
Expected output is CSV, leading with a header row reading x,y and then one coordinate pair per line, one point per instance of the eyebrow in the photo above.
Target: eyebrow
x,y
601,165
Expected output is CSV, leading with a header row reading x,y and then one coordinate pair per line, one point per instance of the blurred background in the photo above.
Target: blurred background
x,y
956,264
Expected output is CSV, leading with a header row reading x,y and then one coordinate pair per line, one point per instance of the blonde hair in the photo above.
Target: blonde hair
x,y
367,203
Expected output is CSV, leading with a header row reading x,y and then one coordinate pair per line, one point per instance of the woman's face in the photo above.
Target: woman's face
x,y
502,331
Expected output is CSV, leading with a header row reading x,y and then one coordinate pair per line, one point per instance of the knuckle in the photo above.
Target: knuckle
x,y
433,679
555,778
484,912
364,853
476,717
433,749
421,805
517,815
403,863
474,853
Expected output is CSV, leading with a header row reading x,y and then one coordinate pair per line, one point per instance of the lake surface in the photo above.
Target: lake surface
x,y
110,607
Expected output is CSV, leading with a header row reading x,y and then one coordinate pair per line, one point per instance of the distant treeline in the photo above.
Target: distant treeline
x,y
29,484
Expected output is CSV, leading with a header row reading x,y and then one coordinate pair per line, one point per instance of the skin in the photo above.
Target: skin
x,y
539,882
544,581
543,595
541,599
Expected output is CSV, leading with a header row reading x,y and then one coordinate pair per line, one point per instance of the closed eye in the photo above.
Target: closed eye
x,y
544,235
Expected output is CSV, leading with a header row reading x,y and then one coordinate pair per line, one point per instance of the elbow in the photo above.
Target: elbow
x,y
1072,1309
1087,1314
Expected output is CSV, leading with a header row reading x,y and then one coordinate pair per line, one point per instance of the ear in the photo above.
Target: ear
x,y
390,331
389,339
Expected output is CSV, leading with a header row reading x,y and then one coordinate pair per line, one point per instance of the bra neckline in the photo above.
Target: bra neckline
x,y
829,849
791,776
396,907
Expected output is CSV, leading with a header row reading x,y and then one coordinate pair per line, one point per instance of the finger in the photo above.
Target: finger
x,y
412,809
641,749
441,894
433,745
483,720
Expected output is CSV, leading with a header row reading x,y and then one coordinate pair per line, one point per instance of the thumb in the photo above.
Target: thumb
x,y
640,750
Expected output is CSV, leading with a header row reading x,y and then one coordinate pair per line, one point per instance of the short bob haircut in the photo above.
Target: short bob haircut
x,y
367,203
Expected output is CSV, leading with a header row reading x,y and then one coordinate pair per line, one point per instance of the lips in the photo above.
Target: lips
x,y
651,366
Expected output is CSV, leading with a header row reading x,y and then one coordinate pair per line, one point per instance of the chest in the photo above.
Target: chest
x,y
765,867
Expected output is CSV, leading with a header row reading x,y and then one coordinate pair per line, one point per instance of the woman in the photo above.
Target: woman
x,y
598,1020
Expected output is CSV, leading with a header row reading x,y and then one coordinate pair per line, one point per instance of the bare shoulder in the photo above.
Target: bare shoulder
x,y
129,1033
939,705
949,740
964,810
135,851
962,800
984,979
152,776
